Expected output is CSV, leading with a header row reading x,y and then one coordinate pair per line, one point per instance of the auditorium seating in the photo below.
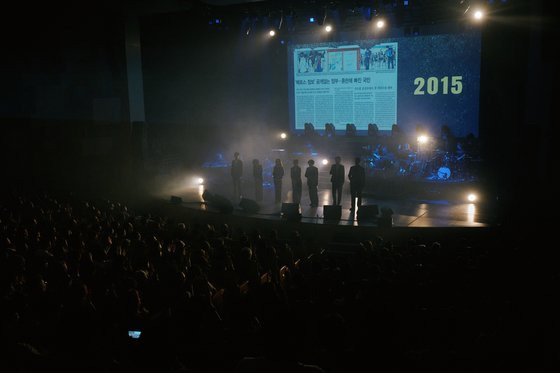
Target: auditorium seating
x,y
71,265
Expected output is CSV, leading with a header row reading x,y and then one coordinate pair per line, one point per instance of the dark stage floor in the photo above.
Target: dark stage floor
x,y
408,211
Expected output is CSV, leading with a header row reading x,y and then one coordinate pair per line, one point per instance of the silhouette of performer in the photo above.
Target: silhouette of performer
x,y
312,175
236,173
277,175
337,180
295,173
258,177
357,176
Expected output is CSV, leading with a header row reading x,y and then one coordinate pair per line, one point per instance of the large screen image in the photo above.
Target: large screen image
x,y
426,81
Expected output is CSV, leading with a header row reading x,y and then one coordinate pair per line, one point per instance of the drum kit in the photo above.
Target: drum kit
x,y
449,166
442,166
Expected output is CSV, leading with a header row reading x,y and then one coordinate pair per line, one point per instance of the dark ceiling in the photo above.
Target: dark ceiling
x,y
229,2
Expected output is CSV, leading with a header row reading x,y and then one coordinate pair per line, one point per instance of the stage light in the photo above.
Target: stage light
x,y
200,181
422,139
472,197
271,33
478,15
311,19
328,28
283,136
325,161
380,23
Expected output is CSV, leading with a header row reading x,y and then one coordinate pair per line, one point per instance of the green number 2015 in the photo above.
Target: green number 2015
x,y
433,86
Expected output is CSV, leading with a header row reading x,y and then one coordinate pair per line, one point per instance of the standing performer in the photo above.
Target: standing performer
x,y
277,175
236,173
337,180
357,176
295,173
258,177
312,175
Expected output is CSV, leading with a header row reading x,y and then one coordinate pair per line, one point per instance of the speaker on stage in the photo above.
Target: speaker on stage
x,y
250,206
367,212
332,212
386,218
217,201
291,211
175,200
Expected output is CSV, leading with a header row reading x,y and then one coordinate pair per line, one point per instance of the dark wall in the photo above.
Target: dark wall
x,y
517,85
211,80
63,62
63,94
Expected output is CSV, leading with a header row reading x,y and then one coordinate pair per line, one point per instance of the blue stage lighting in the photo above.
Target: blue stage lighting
x,y
311,19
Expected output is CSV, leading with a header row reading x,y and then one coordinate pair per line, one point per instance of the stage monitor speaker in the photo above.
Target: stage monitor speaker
x,y
366,212
207,195
291,211
175,200
386,218
222,203
250,206
332,212
217,201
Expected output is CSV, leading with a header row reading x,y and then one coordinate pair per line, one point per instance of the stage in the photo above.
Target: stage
x,y
422,189
407,212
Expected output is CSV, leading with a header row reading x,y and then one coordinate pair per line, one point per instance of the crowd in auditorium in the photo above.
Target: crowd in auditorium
x,y
78,276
